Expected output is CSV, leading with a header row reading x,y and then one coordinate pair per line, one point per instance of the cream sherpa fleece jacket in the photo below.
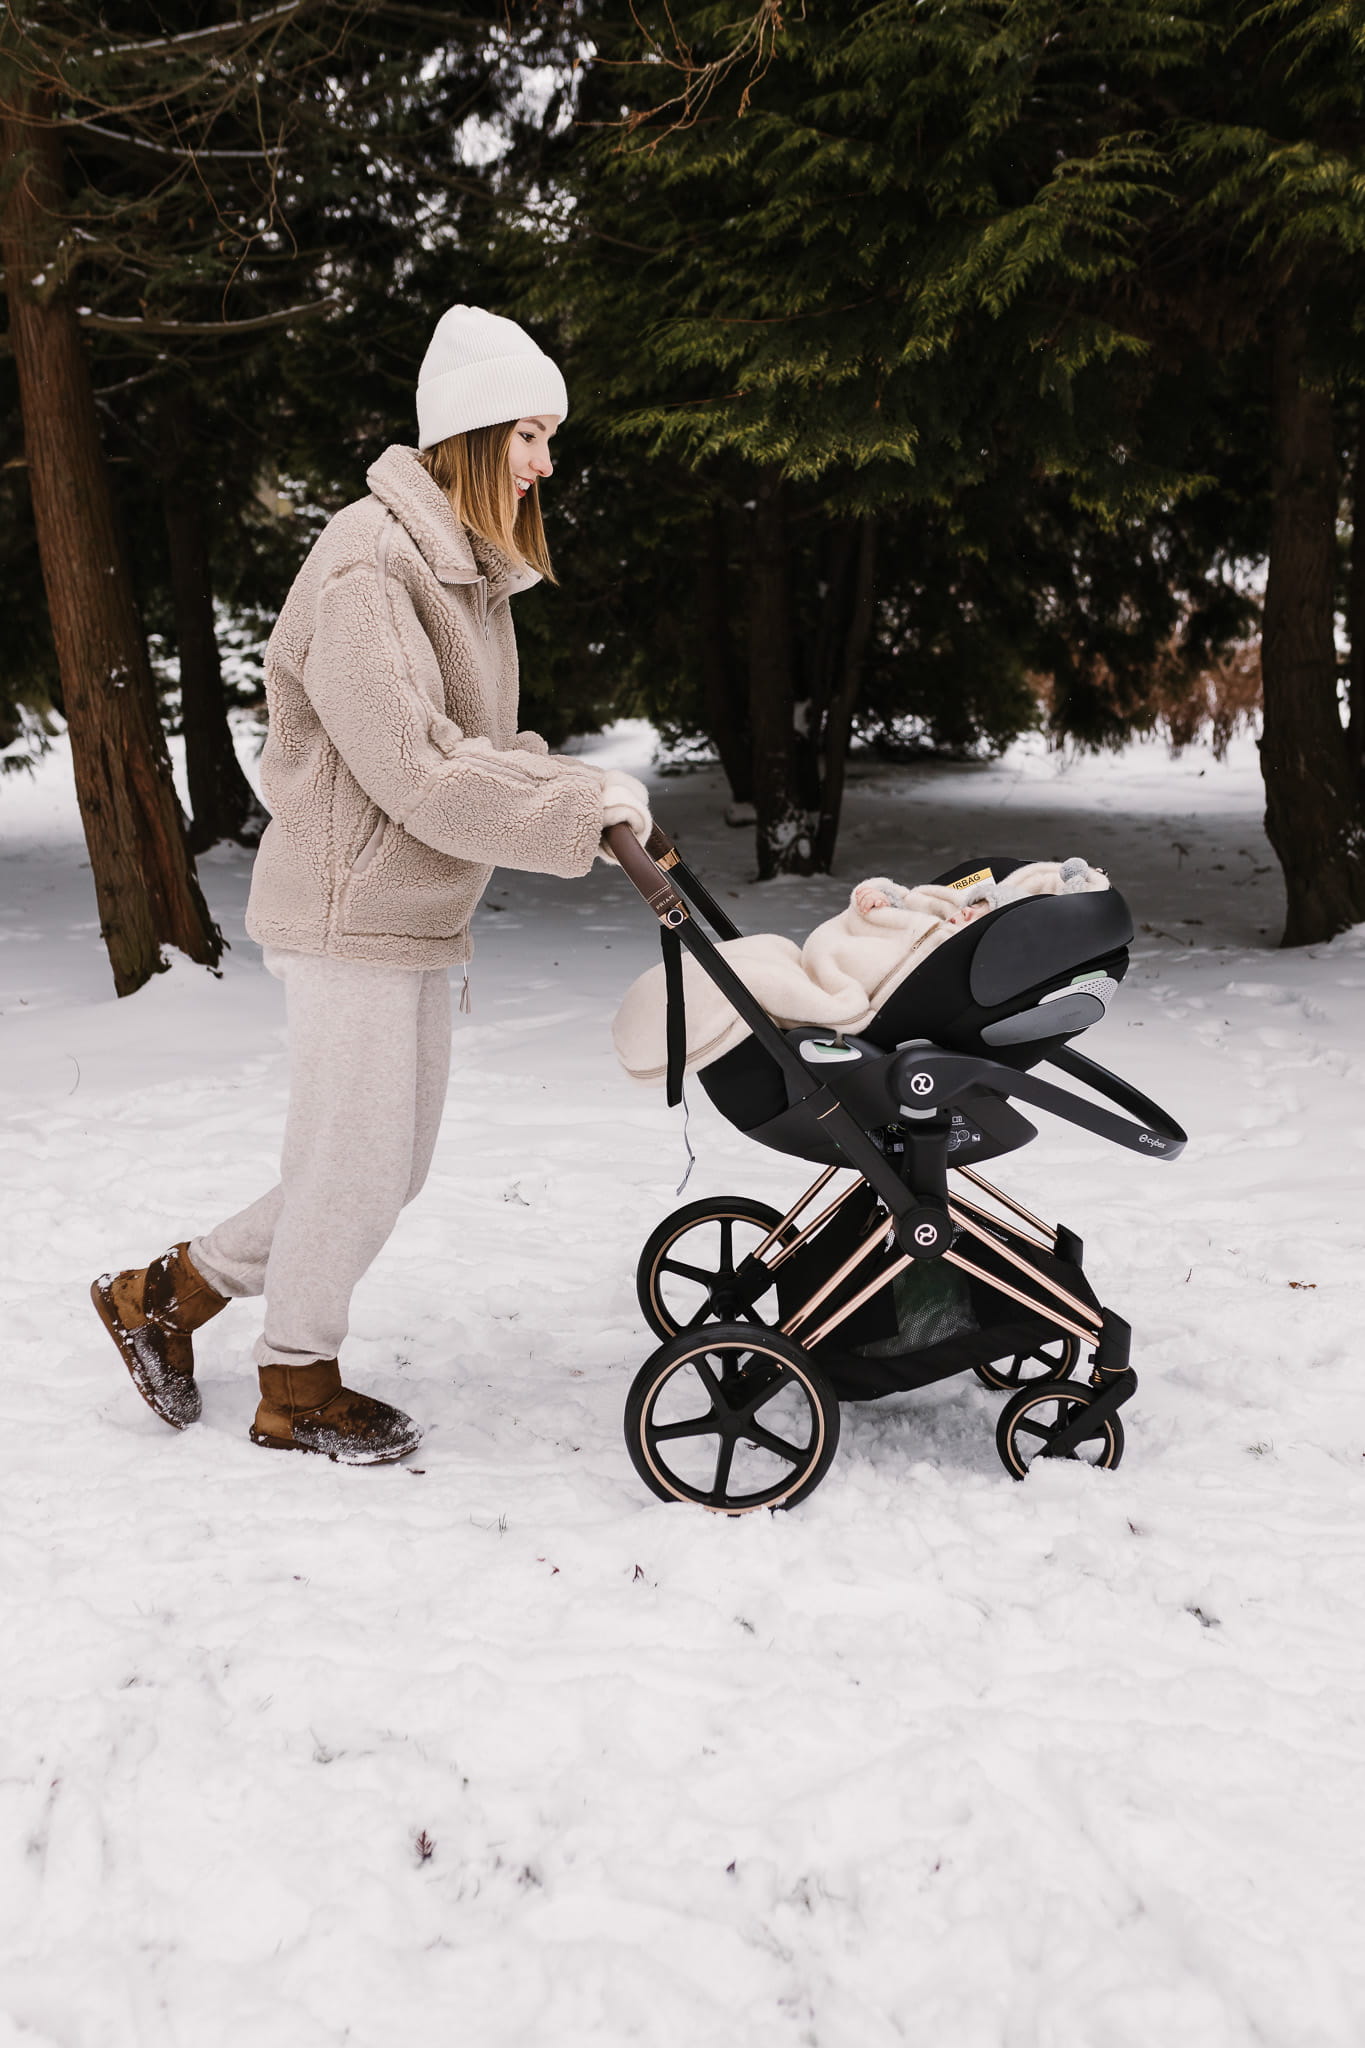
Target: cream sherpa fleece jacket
x,y
394,771
840,978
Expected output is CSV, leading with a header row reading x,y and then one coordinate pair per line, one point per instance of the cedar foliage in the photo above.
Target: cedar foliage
x,y
1064,300
933,370
840,273
209,188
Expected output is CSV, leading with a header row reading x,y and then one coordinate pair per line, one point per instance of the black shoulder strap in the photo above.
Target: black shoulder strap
x,y
675,1014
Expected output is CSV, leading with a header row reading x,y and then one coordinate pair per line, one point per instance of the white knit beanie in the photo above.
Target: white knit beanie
x,y
479,371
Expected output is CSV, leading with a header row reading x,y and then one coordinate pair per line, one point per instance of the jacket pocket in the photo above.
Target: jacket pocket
x,y
371,846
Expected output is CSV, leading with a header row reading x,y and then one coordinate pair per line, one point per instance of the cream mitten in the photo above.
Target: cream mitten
x,y
624,802
981,897
1077,877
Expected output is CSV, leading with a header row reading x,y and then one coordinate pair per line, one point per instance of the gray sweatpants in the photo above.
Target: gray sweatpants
x,y
369,1062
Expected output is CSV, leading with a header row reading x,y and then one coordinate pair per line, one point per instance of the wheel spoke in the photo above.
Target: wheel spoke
x,y
727,1246
765,1393
1066,1415
720,1400
725,1458
685,1272
697,1425
1023,1427
754,1433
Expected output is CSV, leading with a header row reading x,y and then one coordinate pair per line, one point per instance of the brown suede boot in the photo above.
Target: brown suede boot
x,y
150,1313
306,1408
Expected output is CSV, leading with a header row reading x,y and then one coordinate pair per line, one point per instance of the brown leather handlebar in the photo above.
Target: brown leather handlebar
x,y
639,866
659,846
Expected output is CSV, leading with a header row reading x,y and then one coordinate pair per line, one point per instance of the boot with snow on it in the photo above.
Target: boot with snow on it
x,y
151,1313
306,1408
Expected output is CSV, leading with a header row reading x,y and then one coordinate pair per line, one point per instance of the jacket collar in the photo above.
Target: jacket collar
x,y
451,552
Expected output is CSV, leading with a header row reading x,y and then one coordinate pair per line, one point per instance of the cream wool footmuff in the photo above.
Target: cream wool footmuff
x,y
841,975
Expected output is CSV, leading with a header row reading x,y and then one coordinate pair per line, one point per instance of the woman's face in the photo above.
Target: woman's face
x,y
528,452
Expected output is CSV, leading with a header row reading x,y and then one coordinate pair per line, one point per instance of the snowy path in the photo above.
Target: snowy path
x,y
501,1752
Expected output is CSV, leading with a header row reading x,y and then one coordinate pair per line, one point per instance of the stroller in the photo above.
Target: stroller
x,y
768,1322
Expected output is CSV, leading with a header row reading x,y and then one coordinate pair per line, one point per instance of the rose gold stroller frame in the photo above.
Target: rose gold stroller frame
x,y
923,1217
1078,1318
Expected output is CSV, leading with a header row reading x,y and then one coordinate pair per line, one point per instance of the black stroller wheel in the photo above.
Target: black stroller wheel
x,y
1029,1423
682,1284
733,1418
1051,1359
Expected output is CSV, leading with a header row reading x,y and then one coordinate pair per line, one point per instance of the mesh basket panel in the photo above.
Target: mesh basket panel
x,y
933,1301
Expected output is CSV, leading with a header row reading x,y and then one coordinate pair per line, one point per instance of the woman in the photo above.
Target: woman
x,y
397,781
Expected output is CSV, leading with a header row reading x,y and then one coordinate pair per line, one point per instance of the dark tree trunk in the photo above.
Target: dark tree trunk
x,y
786,826
1313,818
858,612
723,705
1355,612
144,879
223,804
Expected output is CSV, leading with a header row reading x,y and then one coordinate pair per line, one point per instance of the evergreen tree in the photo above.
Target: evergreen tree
x,y
1261,270
208,187
825,264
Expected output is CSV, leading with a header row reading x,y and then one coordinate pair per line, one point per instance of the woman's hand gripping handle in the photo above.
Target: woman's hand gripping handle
x,y
641,865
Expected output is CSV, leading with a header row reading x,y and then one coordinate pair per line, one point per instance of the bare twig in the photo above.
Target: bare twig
x,y
191,41
112,323
187,155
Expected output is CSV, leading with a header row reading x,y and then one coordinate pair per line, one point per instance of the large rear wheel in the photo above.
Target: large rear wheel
x,y
698,1266
732,1418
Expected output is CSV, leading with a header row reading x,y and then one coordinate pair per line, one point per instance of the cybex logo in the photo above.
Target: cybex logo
x,y
1157,1144
926,1233
921,1084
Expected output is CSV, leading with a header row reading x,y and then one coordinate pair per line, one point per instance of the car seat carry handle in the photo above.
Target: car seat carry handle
x,y
1123,1092
926,1081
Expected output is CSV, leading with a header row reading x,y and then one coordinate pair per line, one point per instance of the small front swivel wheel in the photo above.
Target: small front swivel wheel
x,y
732,1417
1052,1358
1032,1421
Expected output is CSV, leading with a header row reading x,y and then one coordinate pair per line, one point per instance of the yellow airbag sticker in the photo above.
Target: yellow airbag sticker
x,y
981,875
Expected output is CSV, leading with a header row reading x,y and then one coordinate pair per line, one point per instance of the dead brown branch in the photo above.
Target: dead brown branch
x,y
754,41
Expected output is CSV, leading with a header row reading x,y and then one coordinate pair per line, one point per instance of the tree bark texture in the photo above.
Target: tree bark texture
x,y
223,804
1313,817
723,704
857,613
786,826
1355,612
144,880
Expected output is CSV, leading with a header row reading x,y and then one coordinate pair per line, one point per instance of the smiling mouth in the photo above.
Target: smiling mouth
x,y
523,484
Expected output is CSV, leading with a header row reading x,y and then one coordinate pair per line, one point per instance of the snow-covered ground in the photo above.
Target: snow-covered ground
x,y
500,1751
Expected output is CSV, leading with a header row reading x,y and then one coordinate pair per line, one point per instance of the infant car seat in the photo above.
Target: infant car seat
x,y
1015,986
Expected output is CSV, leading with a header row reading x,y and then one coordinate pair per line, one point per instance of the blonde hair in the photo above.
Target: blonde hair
x,y
473,471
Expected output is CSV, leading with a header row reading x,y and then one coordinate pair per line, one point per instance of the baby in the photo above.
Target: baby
x,y
975,895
